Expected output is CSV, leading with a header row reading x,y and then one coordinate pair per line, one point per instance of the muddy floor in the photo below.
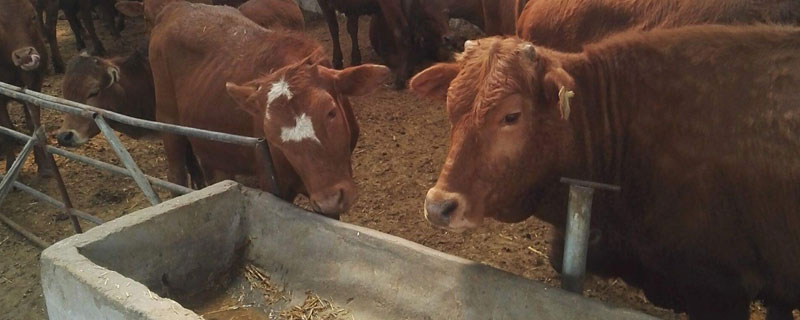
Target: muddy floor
x,y
403,143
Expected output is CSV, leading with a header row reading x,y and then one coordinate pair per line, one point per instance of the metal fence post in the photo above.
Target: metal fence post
x,y
127,160
13,172
576,240
263,152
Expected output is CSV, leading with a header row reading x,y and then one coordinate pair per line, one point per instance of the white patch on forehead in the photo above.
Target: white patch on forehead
x,y
303,129
279,89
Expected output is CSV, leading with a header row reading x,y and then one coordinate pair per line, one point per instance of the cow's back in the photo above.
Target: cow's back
x,y
709,158
569,24
194,51
274,14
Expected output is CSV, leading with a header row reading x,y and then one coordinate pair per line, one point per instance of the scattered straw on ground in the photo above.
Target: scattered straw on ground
x,y
314,308
259,280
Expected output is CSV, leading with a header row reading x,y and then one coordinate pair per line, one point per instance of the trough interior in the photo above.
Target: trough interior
x,y
194,251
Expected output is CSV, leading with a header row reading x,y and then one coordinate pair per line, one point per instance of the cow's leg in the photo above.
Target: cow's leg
x,y
196,172
77,28
352,29
50,8
7,145
109,15
333,27
177,149
119,21
399,29
85,12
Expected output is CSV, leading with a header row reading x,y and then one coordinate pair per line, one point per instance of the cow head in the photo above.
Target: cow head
x,y
89,80
19,35
306,117
510,140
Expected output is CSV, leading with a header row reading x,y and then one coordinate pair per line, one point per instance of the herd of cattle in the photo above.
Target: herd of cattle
x,y
691,106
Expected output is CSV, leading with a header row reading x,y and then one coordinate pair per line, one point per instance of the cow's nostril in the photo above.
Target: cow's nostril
x,y
448,207
340,197
443,209
65,138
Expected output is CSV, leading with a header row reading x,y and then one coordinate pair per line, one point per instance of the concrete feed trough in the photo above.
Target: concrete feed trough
x,y
126,268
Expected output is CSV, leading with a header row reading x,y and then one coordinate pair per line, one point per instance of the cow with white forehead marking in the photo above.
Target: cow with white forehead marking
x,y
306,118
275,85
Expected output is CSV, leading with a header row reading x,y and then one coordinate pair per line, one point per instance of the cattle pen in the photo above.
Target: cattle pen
x,y
578,213
144,182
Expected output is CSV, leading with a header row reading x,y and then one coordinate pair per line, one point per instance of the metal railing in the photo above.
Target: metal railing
x,y
99,116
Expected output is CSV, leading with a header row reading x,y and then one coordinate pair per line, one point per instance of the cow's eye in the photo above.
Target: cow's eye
x,y
332,114
94,93
511,118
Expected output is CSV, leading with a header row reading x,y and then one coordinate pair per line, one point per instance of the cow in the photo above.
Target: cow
x,y
217,70
79,15
23,63
567,25
429,26
120,84
410,30
274,14
699,125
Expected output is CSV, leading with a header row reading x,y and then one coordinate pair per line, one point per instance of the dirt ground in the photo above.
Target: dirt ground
x,y
403,143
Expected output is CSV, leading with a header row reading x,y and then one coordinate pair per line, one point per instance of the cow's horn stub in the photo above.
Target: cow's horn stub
x,y
113,74
527,50
470,44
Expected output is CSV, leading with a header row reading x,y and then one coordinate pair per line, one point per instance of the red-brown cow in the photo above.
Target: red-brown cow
x,y
217,70
700,126
567,25
271,14
23,62
120,84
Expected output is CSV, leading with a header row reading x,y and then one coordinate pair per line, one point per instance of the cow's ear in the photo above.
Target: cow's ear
x,y
241,94
558,88
130,8
434,81
358,80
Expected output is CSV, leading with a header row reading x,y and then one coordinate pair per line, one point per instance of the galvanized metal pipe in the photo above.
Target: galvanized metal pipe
x,y
87,111
99,164
127,160
24,232
55,203
577,238
262,150
13,172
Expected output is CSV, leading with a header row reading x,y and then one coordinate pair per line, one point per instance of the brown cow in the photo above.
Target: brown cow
x,y
217,70
121,84
410,29
699,125
431,37
23,62
148,9
567,25
79,15
271,14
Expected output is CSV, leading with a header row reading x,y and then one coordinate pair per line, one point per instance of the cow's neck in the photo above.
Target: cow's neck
x,y
598,116
286,177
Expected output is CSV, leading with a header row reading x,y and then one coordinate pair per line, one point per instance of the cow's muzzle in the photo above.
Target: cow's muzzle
x,y
27,58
